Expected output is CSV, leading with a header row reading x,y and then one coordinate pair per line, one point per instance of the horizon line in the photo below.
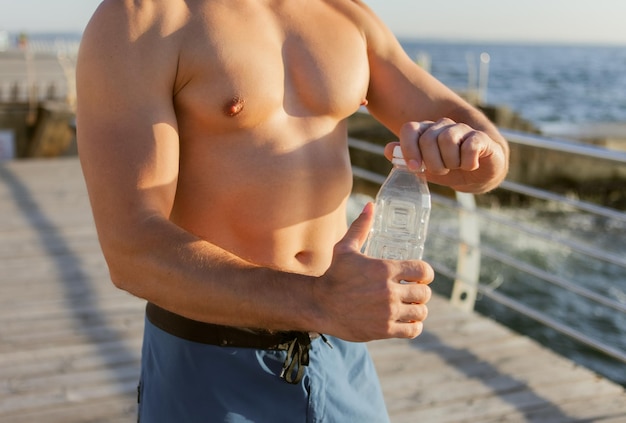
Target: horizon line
x,y
400,36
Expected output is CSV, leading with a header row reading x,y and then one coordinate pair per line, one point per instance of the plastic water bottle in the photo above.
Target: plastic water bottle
x,y
400,215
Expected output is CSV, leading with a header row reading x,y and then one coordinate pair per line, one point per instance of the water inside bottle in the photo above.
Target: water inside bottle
x,y
400,228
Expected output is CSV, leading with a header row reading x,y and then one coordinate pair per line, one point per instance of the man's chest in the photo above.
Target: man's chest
x,y
240,67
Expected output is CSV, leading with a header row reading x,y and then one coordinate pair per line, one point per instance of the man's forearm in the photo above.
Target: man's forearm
x,y
170,267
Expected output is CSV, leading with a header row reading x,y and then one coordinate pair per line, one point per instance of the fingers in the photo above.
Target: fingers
x,y
413,313
415,271
410,322
414,293
409,133
411,307
442,146
357,233
408,330
418,294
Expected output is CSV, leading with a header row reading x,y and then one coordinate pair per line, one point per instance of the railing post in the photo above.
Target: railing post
x,y
468,262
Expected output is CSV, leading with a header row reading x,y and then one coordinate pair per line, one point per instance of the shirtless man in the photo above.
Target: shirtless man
x,y
212,136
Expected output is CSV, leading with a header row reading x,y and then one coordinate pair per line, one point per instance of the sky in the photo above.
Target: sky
x,y
570,21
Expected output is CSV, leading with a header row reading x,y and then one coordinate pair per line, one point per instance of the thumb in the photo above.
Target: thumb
x,y
357,233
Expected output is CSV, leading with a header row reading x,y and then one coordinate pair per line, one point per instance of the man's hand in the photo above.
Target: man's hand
x,y
362,299
454,154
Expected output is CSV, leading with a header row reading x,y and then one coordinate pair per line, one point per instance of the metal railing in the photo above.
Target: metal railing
x,y
484,264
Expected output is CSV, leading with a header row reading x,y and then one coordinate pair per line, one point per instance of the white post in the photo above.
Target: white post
x,y
468,261
483,77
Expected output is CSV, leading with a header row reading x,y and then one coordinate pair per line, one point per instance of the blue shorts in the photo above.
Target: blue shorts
x,y
185,381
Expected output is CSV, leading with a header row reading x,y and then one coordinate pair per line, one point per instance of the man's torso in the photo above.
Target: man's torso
x,y
261,93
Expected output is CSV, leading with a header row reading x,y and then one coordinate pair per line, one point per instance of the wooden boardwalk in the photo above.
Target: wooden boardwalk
x,y
70,342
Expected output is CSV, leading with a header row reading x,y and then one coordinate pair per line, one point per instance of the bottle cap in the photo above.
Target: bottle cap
x,y
398,157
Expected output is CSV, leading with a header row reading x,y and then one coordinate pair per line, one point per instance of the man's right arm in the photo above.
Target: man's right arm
x,y
129,150
128,145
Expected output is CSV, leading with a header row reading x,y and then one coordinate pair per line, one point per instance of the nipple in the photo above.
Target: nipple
x,y
364,102
234,106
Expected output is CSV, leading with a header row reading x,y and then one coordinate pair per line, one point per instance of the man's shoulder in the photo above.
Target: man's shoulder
x,y
126,37
139,17
364,18
144,6
132,26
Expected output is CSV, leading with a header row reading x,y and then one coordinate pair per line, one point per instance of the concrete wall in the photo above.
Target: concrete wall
x,y
39,130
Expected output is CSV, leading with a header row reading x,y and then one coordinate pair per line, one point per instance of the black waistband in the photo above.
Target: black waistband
x,y
297,344
225,336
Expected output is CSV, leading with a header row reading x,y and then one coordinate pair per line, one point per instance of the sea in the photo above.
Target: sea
x,y
544,83
551,86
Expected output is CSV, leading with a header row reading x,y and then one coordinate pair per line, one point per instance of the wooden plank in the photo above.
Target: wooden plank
x,y
109,299
101,387
107,332
454,377
113,409
32,243
61,358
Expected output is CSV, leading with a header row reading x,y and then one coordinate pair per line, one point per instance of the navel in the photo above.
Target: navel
x,y
234,106
304,257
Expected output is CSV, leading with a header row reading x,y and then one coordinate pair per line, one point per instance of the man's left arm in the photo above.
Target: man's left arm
x,y
459,146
